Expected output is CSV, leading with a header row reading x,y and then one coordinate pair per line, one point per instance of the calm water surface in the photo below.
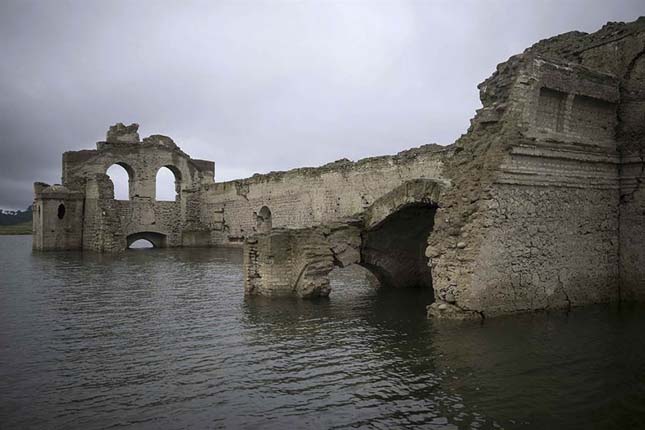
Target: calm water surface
x,y
164,339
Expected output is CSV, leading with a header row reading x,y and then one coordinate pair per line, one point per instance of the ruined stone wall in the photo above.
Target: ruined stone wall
x,y
388,239
553,213
539,205
281,262
297,262
536,223
312,196
157,217
619,49
632,233
545,204
106,223
546,248
632,205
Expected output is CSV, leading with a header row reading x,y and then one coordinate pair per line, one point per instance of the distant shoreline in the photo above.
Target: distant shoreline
x,y
16,229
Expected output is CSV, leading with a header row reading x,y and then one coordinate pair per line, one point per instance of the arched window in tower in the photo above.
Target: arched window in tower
x,y
121,176
168,184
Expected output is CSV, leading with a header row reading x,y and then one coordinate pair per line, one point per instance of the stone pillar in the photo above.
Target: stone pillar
x,y
297,262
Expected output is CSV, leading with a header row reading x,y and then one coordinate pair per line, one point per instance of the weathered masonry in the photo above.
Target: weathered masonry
x,y
539,205
205,213
83,214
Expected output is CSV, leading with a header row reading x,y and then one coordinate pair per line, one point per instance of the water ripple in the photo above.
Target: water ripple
x,y
165,339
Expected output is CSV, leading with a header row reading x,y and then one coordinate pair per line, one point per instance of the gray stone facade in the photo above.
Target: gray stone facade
x,y
538,206
98,222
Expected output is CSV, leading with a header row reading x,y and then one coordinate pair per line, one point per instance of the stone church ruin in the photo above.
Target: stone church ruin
x,y
539,205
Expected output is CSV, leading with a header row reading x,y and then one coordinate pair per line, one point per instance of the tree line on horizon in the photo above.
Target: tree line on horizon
x,y
15,217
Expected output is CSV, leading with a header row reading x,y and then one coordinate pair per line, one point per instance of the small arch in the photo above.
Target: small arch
x,y
122,177
263,220
157,240
168,184
141,244
61,211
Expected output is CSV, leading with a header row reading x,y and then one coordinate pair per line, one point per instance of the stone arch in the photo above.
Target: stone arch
x,y
122,191
394,251
161,180
417,191
141,244
263,220
390,242
158,240
396,231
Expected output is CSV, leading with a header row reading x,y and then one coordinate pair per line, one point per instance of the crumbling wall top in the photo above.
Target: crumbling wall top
x,y
432,151
120,133
161,140
126,138
55,192
569,46
141,158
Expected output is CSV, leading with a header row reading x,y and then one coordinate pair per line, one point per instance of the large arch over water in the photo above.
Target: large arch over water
x,y
396,233
395,249
389,239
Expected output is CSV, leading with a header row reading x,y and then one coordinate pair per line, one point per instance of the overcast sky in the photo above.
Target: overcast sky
x,y
256,85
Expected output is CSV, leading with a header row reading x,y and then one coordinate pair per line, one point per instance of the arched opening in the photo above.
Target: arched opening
x,y
263,219
394,249
61,211
141,244
157,240
168,184
121,176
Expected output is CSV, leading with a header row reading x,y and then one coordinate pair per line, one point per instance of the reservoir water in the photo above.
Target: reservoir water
x,y
165,339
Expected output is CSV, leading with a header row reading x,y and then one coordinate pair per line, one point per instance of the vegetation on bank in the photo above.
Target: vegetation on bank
x,y
22,228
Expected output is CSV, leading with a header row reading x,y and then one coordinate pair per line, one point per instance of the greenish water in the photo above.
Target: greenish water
x,y
164,339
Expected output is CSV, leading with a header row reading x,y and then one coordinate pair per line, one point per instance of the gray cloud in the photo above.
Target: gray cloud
x,y
256,85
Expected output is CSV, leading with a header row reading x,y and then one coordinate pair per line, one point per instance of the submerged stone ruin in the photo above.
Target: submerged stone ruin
x,y
538,206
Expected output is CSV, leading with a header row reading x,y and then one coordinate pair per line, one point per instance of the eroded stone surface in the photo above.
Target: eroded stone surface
x,y
120,133
100,223
286,262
